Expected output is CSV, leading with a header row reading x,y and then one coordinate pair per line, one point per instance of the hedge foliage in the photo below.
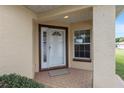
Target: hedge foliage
x,y
17,81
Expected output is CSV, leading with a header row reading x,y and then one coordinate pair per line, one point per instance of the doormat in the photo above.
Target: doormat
x,y
58,72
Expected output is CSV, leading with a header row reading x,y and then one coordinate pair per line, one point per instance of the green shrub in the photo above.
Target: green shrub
x,y
17,81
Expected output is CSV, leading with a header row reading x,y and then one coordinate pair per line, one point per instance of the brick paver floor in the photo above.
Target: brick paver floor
x,y
76,78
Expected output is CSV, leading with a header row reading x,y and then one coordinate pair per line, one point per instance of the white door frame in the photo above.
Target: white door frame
x,y
41,48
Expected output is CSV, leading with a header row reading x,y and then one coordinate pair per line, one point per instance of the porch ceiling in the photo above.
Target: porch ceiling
x,y
56,13
79,15
42,8
119,9
48,13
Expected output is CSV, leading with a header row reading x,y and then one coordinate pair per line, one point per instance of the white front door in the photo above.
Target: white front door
x,y
52,47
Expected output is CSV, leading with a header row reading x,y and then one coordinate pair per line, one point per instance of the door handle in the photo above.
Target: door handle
x,y
49,47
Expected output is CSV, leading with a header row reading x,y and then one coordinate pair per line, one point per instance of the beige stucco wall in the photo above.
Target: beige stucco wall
x,y
103,35
104,46
71,28
16,35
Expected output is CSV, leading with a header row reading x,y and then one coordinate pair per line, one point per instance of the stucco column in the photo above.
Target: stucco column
x,y
103,46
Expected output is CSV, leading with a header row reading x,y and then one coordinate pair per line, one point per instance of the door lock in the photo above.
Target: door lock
x,y
49,47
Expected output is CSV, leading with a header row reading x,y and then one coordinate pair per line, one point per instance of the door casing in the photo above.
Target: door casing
x,y
66,46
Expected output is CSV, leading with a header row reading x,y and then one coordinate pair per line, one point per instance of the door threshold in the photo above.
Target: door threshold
x,y
54,68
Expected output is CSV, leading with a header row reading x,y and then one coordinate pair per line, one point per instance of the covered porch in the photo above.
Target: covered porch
x,y
76,78
89,56
59,44
98,53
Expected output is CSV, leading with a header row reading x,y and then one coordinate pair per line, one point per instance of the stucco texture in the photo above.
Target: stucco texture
x,y
16,50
